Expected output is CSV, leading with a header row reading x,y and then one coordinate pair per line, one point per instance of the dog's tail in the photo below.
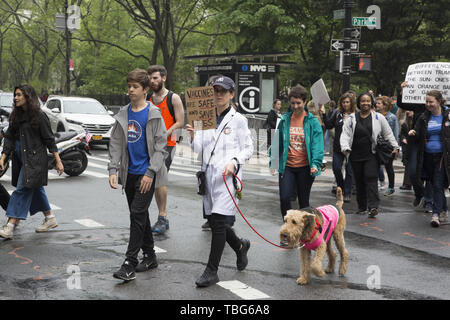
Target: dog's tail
x,y
339,197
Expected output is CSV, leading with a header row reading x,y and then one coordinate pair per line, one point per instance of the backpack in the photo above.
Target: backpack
x,y
172,113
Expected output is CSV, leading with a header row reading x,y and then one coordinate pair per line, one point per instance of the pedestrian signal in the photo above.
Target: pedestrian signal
x,y
365,63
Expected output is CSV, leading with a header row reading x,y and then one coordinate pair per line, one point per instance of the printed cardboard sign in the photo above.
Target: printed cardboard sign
x,y
201,112
423,77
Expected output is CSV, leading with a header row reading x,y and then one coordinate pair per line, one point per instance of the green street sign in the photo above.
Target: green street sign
x,y
364,21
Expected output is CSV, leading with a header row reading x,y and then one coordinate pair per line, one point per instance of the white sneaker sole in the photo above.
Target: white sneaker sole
x,y
45,230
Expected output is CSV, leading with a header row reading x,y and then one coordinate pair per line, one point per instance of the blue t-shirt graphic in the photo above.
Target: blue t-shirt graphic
x,y
137,141
434,140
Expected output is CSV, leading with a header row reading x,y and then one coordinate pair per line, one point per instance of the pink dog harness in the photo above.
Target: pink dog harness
x,y
330,219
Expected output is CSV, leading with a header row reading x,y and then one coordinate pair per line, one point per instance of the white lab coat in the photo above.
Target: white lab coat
x,y
235,141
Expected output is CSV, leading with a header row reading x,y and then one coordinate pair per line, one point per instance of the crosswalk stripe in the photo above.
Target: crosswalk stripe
x,y
181,174
95,174
98,159
89,223
95,165
242,290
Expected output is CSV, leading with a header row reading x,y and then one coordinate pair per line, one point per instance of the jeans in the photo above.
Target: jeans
x,y
366,178
417,183
345,185
295,179
26,199
433,166
221,233
141,236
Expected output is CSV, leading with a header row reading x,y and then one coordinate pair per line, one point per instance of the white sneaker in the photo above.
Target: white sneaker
x,y
47,225
443,216
435,221
7,232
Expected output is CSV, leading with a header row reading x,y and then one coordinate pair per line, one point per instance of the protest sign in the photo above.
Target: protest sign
x,y
319,94
200,109
423,77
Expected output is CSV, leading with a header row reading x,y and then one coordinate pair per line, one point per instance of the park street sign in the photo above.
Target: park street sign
x,y
364,21
338,45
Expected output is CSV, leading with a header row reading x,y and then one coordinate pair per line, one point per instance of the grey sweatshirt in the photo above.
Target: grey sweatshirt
x,y
156,135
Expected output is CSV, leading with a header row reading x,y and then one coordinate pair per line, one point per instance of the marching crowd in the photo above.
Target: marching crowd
x,y
366,133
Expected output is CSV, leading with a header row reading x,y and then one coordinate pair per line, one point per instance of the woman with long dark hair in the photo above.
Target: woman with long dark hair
x,y
27,138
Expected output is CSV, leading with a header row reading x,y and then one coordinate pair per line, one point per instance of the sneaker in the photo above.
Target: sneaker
x,y
428,207
418,202
207,279
206,226
7,232
361,212
242,259
405,187
443,216
373,212
161,225
47,225
435,221
347,199
381,185
147,263
126,272
389,192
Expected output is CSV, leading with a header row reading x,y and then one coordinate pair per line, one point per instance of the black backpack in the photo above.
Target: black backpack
x,y
169,103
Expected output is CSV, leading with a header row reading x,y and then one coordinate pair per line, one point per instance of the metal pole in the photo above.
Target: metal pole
x,y
67,33
348,4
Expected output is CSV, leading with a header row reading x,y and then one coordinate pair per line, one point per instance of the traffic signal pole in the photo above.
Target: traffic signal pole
x,y
346,70
68,44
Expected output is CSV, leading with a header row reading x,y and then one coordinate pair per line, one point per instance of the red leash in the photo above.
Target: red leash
x,y
242,186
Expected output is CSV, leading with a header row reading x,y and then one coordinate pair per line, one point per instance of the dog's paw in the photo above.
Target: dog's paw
x,y
342,270
319,272
302,281
329,270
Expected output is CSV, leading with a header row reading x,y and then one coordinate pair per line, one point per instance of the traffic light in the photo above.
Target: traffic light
x,y
365,63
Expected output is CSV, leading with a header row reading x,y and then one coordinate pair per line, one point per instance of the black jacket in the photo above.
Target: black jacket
x,y
334,119
33,144
421,128
272,120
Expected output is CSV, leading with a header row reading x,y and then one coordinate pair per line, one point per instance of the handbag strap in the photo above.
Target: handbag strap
x,y
217,140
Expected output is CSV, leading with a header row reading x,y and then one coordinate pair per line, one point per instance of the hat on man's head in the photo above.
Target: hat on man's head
x,y
224,82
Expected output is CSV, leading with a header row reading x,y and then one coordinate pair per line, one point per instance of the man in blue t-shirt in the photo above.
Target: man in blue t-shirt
x,y
137,155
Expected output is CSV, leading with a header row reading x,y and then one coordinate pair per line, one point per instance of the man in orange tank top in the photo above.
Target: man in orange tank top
x,y
158,76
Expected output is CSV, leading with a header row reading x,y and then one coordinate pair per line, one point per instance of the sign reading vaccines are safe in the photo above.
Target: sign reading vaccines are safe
x,y
200,109
423,77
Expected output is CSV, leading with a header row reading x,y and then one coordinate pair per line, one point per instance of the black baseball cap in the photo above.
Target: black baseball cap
x,y
224,82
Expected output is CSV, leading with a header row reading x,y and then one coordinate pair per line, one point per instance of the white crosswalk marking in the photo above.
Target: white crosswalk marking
x,y
242,290
89,223
95,174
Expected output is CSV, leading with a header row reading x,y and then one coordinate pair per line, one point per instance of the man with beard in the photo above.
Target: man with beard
x,y
173,114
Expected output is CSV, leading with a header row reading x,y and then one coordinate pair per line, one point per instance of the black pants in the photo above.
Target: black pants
x,y
221,234
295,181
140,229
366,179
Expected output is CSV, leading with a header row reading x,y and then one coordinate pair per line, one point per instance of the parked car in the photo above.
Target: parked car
x,y
76,113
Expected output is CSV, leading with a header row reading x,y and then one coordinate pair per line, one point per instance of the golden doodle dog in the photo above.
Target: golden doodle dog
x,y
312,231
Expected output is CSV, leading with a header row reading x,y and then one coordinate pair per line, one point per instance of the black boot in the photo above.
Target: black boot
x,y
207,279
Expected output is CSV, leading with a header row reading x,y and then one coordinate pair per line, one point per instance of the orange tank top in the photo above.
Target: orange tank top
x,y
168,120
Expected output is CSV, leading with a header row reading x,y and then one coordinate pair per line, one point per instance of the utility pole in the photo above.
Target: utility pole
x,y
68,45
346,70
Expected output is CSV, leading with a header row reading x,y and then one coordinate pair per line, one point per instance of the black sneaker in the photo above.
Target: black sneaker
x,y
361,212
373,212
207,279
242,259
206,226
126,272
147,263
418,202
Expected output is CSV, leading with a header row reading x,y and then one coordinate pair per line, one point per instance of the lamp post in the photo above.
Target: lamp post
x,y
346,70
68,47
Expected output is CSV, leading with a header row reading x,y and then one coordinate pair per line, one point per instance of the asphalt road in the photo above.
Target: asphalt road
x,y
396,256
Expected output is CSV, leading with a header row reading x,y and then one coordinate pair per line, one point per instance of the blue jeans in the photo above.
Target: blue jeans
x,y
295,180
26,199
434,169
346,185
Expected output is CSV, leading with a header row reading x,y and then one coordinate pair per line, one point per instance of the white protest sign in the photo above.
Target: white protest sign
x,y
319,93
426,76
